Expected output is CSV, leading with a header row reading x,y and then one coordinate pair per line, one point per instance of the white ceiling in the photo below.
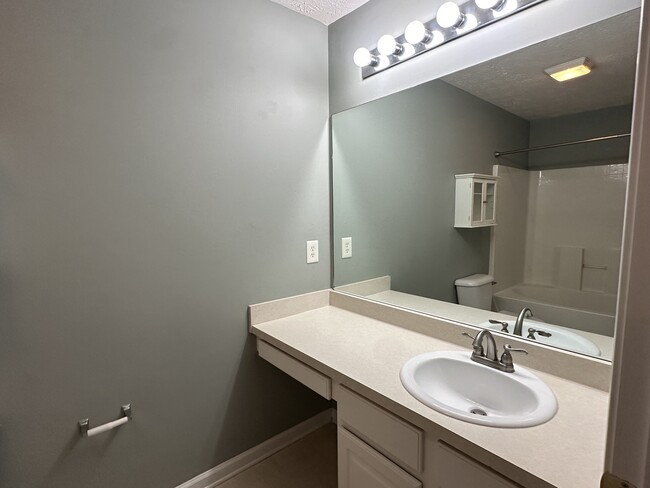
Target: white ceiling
x,y
325,11
517,83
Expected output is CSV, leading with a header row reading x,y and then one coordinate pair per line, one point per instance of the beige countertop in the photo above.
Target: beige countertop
x,y
567,452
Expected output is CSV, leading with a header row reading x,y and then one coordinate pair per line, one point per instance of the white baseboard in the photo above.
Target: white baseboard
x,y
230,468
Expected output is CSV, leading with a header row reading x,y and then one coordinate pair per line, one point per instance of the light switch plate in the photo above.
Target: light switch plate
x,y
346,247
312,252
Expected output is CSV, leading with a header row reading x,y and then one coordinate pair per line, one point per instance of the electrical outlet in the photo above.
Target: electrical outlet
x,y
346,247
312,252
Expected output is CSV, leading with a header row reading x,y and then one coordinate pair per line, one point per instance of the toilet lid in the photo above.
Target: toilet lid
x,y
474,280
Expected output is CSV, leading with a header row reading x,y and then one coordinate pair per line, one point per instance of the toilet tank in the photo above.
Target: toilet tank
x,y
475,291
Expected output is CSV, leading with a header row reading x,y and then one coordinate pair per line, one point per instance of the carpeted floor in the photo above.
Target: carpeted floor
x,y
310,462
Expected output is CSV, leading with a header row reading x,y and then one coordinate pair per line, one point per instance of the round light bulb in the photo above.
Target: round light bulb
x,y
387,45
416,32
489,4
449,15
363,57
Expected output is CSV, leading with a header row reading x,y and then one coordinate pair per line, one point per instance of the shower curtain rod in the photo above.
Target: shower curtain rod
x,y
561,144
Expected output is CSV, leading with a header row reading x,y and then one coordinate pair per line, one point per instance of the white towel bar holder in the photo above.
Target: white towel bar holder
x,y
86,431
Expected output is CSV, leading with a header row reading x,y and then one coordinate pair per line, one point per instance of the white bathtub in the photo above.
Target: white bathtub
x,y
581,310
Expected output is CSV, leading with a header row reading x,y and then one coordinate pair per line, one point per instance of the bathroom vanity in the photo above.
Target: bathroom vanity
x,y
351,350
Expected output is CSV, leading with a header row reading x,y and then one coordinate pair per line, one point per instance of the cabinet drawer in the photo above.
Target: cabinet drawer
x,y
309,377
389,434
360,466
453,469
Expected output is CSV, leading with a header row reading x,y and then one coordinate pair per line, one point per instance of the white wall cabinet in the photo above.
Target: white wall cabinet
x,y
476,196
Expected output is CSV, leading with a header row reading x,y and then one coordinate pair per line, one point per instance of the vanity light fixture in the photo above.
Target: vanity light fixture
x,y
388,46
453,20
363,58
490,4
416,33
449,15
571,69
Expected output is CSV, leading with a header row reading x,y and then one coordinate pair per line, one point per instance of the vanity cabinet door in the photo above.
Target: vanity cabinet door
x,y
453,469
360,466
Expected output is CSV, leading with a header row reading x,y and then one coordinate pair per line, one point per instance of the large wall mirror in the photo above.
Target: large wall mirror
x,y
543,227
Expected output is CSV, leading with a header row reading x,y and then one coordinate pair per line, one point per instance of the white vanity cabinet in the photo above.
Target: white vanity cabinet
x,y
454,469
376,448
475,200
333,344
360,466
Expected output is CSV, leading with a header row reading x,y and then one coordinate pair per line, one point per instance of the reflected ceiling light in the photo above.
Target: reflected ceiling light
x,y
490,4
409,50
468,24
449,15
571,69
383,63
507,7
363,57
454,21
388,46
416,33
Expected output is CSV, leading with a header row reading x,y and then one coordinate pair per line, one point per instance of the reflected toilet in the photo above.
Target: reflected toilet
x,y
475,291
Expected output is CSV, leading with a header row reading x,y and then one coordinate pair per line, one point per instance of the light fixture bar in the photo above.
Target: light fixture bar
x,y
473,17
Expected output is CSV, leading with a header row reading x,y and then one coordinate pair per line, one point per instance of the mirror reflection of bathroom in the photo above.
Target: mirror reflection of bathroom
x,y
436,219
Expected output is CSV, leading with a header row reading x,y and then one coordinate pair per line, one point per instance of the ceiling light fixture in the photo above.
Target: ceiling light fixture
x,y
571,69
455,19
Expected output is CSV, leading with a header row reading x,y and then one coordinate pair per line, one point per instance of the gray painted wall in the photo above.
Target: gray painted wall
x,y
394,162
586,125
364,26
158,173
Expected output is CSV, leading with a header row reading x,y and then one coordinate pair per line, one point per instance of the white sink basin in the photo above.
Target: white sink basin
x,y
560,336
451,383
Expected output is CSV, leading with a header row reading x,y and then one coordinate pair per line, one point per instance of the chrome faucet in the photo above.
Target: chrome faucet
x,y
519,323
488,355
490,351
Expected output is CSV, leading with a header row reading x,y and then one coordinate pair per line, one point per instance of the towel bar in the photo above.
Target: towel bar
x,y
86,431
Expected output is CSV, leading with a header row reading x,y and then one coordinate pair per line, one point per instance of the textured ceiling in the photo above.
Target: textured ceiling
x,y
517,83
325,11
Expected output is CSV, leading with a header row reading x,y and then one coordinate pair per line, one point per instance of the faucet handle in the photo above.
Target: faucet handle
x,y
477,347
506,357
508,348
504,325
542,333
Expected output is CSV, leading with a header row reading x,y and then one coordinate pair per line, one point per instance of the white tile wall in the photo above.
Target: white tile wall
x,y
575,208
552,222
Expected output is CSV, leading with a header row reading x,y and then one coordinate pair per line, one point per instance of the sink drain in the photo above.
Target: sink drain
x,y
478,411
